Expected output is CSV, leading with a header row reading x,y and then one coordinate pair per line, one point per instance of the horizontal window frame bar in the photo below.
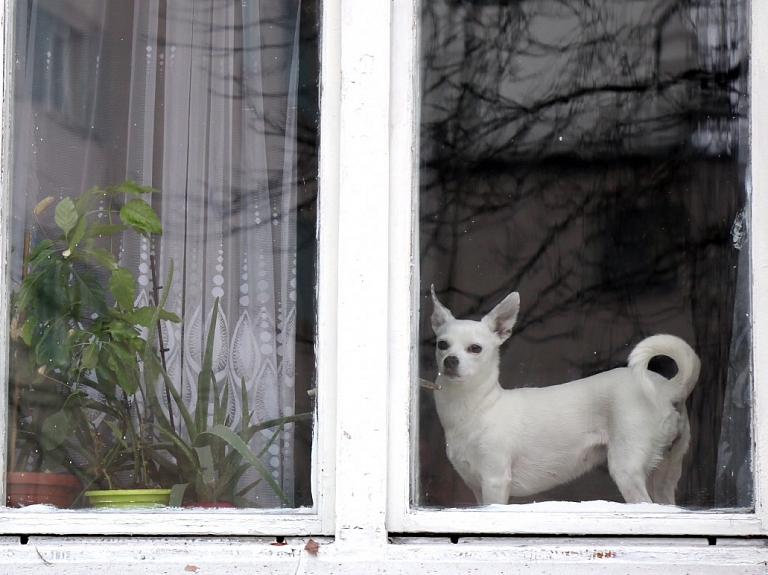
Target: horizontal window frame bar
x,y
571,521
403,555
161,522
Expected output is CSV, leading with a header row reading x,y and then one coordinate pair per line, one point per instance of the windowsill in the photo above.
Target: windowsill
x,y
401,555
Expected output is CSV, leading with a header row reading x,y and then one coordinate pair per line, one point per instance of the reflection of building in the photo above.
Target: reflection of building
x,y
589,157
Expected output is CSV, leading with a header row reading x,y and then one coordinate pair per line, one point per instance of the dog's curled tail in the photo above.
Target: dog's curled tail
x,y
688,364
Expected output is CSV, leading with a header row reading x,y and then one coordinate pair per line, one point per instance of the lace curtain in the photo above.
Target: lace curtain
x,y
197,99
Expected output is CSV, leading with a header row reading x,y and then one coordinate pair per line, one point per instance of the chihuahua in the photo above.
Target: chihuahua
x,y
519,442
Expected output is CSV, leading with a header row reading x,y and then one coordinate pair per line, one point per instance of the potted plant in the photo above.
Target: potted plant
x,y
39,472
209,458
75,318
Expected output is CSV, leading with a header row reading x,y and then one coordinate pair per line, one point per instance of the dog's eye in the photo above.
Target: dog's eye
x,y
474,348
442,344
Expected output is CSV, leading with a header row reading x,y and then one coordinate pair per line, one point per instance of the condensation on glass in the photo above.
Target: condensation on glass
x,y
214,104
592,156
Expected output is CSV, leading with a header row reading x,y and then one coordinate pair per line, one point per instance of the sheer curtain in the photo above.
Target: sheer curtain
x,y
197,98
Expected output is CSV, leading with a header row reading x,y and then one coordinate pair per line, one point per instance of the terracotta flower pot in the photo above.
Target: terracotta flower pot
x,y
28,488
129,498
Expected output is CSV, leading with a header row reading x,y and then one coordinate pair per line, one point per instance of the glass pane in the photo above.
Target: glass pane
x,y
163,249
592,157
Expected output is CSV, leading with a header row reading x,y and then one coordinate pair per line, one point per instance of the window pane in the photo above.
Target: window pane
x,y
590,156
148,359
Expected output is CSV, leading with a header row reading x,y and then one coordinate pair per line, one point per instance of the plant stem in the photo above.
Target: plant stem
x,y
160,344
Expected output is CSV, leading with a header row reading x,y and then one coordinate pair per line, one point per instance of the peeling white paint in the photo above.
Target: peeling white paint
x,y
362,462
55,556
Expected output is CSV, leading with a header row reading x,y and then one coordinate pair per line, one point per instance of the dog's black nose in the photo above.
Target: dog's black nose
x,y
451,362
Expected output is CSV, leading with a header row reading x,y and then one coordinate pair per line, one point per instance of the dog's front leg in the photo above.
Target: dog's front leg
x,y
495,490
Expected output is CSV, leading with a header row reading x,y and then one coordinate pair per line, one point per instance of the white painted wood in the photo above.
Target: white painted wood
x,y
365,335
759,233
585,518
362,346
580,519
6,50
403,277
222,522
324,452
273,522
54,556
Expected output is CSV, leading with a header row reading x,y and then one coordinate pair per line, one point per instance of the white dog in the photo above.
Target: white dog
x,y
524,441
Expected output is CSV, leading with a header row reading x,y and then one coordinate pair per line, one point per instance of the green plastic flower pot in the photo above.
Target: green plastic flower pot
x,y
129,498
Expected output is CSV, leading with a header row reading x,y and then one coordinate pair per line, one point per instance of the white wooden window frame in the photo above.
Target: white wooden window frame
x,y
590,518
362,452
317,520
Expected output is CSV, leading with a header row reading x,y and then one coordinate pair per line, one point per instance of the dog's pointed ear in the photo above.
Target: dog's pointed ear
x,y
440,313
501,319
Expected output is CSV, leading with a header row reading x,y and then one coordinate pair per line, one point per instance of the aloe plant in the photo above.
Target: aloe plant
x,y
210,457
78,328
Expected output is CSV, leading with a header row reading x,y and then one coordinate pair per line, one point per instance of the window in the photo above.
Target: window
x,y
594,159
162,270
372,505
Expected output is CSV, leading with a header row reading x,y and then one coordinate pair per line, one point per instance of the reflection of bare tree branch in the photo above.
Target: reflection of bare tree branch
x,y
587,155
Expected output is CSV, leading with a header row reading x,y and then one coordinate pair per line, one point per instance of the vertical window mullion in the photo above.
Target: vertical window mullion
x,y
759,231
404,281
362,343
324,462
6,52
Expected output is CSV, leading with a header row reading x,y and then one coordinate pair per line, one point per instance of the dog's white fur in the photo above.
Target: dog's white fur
x,y
513,443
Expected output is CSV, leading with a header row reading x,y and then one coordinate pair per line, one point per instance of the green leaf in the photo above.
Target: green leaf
x,y
119,365
118,434
221,403
205,379
132,188
77,234
155,368
147,316
246,412
123,287
141,217
88,292
53,349
177,494
28,329
205,457
169,316
42,251
90,357
128,379
238,444
104,230
280,421
28,291
82,201
103,257
143,316
65,215
122,331
55,430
